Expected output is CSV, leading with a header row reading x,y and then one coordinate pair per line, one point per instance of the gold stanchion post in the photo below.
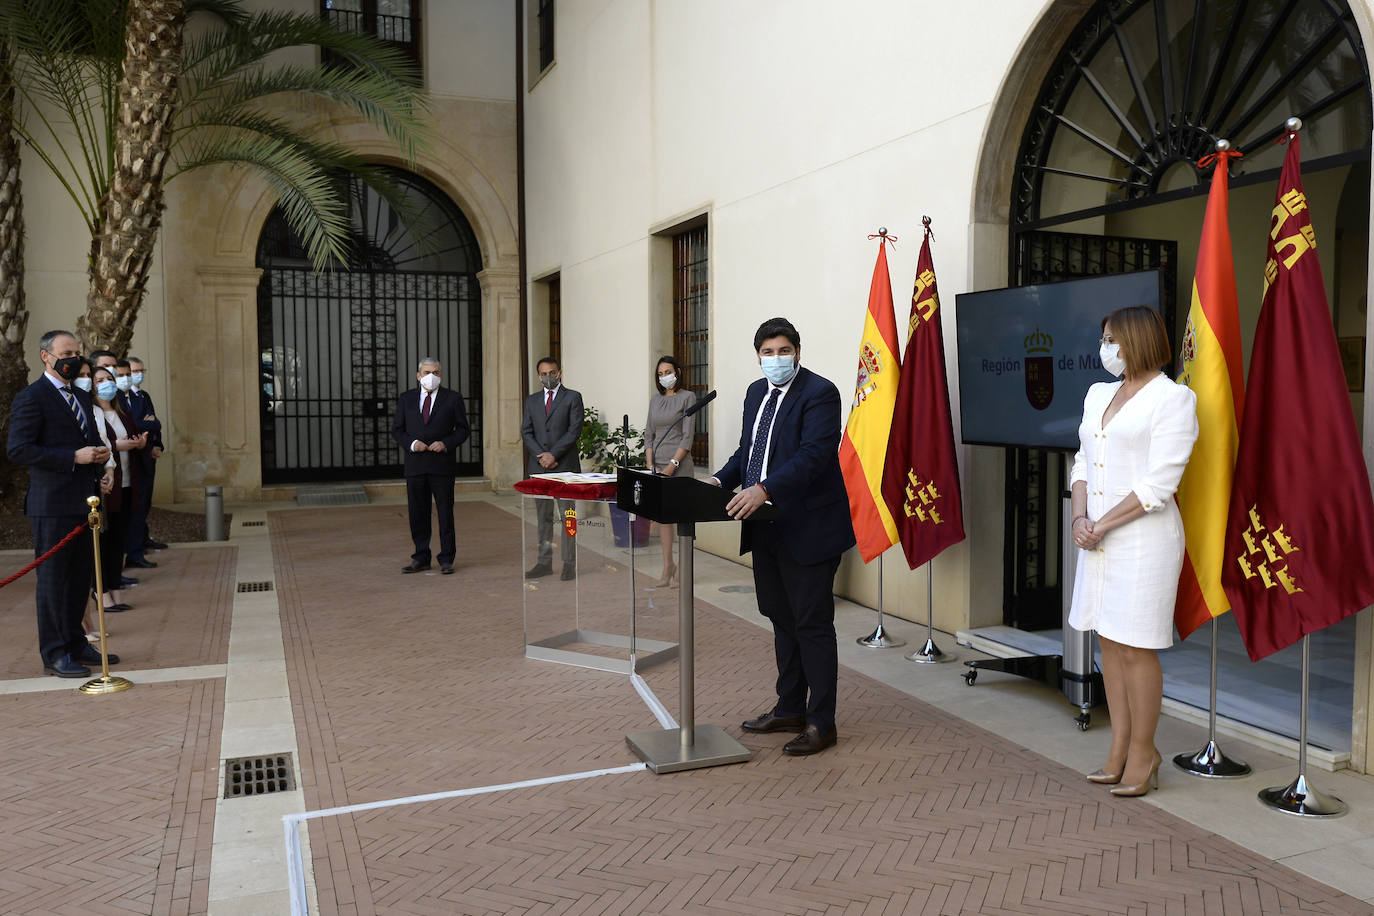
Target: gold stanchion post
x,y
104,683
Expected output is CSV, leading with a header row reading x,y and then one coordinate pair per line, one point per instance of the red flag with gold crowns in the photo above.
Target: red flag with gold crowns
x,y
1300,535
921,477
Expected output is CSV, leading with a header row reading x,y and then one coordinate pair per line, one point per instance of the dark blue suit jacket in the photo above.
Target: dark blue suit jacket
x,y
804,479
45,436
448,421
139,406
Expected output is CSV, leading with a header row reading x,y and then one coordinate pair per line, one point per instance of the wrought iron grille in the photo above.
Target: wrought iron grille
x,y
691,317
545,33
394,21
556,317
1144,84
1032,588
338,347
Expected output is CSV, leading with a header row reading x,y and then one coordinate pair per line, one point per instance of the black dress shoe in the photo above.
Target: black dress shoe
x,y
769,722
127,581
446,568
66,667
91,656
810,741
539,569
569,572
415,567
138,563
150,544
119,608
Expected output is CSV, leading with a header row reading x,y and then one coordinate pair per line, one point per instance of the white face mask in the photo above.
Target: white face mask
x,y
83,383
429,381
123,383
1110,354
668,381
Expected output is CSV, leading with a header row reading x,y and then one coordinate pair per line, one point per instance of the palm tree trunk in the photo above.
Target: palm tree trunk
x,y
14,311
131,212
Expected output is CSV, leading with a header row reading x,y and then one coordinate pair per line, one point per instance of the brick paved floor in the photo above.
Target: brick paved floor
x,y
180,616
413,684
107,803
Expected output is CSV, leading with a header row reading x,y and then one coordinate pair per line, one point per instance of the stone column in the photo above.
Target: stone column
x,y
502,450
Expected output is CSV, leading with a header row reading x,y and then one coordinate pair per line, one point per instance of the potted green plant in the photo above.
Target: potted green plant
x,y
603,447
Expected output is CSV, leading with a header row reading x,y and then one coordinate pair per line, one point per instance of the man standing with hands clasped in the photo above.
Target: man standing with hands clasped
x,y
551,425
789,455
430,424
53,431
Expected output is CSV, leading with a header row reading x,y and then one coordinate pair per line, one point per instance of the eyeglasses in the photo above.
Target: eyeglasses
x,y
1106,341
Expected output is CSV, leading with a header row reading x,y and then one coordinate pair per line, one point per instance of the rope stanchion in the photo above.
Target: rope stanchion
x,y
104,683
45,557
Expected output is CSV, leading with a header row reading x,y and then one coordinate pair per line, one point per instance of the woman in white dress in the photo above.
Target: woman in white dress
x,y
1135,440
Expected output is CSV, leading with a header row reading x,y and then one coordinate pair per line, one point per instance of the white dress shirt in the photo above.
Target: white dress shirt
x,y
763,405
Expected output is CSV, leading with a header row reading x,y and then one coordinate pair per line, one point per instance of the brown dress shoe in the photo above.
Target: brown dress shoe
x,y
811,741
769,722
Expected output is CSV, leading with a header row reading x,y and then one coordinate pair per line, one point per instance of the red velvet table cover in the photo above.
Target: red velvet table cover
x,y
538,486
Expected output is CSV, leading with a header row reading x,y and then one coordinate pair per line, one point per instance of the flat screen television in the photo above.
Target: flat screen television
x,y
1028,354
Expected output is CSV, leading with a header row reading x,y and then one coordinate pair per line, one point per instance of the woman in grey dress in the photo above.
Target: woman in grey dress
x,y
674,454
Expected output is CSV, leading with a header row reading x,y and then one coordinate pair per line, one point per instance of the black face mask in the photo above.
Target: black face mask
x,y
67,368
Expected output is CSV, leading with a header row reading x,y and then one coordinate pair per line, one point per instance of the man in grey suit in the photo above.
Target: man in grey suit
x,y
551,425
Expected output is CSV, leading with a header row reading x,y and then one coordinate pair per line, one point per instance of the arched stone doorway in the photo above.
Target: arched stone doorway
x,y
1090,149
337,347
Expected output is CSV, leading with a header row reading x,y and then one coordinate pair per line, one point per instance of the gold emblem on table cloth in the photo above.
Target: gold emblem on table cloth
x,y
1267,554
1039,369
570,521
870,366
922,499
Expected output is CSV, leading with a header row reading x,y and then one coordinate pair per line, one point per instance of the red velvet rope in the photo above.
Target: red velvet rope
x,y
45,557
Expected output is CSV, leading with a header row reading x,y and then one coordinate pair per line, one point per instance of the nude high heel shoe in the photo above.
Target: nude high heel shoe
x,y
668,576
1103,778
1151,782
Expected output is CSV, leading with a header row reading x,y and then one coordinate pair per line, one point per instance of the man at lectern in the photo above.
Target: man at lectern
x,y
789,455
550,427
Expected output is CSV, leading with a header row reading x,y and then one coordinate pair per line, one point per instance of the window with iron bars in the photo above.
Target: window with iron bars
x,y
393,21
691,317
555,285
545,34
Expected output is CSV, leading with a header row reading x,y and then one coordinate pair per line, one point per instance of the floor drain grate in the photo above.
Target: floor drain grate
x,y
331,496
254,587
244,776
253,524
738,589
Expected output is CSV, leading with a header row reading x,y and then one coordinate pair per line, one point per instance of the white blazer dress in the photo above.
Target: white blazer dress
x,y
1126,586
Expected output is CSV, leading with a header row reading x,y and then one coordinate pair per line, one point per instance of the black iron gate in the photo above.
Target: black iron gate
x,y
1032,592
338,347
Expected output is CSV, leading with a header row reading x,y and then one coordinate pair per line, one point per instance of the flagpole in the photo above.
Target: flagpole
x,y
1210,761
930,653
879,638
1298,797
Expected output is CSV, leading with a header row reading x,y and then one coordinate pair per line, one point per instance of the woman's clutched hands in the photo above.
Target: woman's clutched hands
x,y
1084,535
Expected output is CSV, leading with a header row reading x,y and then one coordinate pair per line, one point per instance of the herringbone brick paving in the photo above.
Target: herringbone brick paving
x,y
107,803
405,685
180,616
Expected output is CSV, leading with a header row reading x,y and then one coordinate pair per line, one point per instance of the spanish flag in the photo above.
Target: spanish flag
x,y
864,447
1211,366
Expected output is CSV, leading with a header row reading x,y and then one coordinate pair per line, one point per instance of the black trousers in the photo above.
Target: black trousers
x,y
421,490
544,512
799,599
114,537
138,515
64,585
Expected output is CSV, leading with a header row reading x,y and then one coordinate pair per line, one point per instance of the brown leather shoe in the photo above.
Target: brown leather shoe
x,y
810,741
768,722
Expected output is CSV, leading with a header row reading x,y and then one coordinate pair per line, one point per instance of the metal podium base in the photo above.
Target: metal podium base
x,y
1299,798
1212,763
930,654
880,639
664,753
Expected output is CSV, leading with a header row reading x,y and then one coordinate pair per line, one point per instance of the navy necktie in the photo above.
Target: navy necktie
x,y
754,472
76,411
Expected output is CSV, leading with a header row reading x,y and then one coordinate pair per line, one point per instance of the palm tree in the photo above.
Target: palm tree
x,y
14,312
146,104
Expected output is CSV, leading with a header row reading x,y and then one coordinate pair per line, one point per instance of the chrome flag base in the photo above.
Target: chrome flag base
x,y
879,639
1211,762
1299,798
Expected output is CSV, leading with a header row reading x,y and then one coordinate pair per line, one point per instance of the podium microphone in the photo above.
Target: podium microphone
x,y
625,442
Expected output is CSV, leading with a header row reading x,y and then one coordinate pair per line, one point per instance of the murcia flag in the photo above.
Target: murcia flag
x,y
1300,540
1211,367
870,417
921,482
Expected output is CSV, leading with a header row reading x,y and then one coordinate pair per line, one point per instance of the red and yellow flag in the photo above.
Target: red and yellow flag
x,y
921,481
1300,540
864,447
1211,366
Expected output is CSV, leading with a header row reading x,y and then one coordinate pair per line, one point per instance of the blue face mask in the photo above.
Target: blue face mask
x,y
83,383
123,382
778,369
137,377
106,390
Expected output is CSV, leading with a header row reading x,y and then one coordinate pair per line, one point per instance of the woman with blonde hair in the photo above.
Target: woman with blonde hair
x,y
1135,440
